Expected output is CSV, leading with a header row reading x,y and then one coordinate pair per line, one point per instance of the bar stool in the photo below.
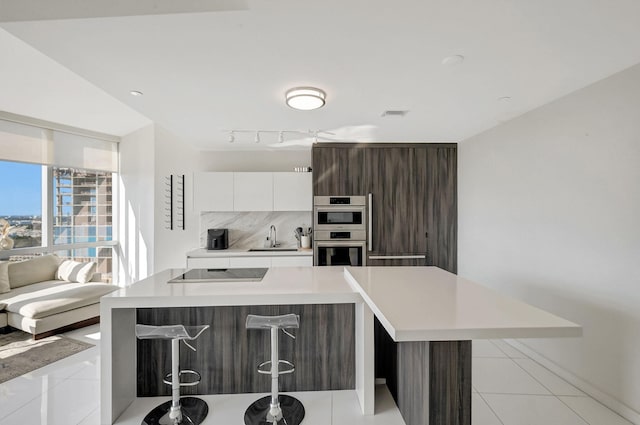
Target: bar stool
x,y
277,408
188,410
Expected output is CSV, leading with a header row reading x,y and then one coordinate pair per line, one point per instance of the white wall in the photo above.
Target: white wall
x,y
135,219
175,156
280,160
549,212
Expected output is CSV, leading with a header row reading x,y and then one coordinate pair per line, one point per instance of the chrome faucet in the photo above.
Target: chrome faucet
x,y
272,239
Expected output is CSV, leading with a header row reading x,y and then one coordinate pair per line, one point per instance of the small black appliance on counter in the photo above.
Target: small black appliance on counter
x,y
217,239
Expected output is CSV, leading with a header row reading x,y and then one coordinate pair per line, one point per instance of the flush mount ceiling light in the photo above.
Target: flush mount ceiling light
x,y
453,60
305,98
136,93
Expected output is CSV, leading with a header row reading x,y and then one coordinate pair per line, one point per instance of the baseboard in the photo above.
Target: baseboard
x,y
613,404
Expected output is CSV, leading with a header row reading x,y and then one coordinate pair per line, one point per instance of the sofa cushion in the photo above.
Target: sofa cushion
x,y
48,298
2,305
74,271
37,269
4,277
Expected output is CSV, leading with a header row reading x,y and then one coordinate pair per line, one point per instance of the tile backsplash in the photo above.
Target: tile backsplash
x,y
250,229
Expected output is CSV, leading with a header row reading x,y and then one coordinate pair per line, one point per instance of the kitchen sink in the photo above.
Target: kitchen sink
x,y
273,249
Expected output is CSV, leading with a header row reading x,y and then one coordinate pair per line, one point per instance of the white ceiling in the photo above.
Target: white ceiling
x,y
205,72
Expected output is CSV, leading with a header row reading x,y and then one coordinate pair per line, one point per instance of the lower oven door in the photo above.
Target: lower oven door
x,y
344,253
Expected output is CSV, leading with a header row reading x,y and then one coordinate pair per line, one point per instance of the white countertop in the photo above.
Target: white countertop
x,y
242,252
431,304
281,285
412,303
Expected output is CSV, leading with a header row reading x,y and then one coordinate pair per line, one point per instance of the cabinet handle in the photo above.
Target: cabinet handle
x,y
397,257
370,239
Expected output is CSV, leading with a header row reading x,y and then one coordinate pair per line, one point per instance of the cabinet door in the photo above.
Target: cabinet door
x,y
253,191
292,192
213,191
297,261
240,262
396,184
441,208
340,170
207,263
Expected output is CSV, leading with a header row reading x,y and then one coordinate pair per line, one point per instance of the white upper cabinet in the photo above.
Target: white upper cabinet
x,y
213,191
292,192
253,191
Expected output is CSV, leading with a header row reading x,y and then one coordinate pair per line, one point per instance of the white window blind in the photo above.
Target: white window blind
x,y
38,145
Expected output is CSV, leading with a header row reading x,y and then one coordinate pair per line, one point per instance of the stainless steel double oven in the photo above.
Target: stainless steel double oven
x,y
340,230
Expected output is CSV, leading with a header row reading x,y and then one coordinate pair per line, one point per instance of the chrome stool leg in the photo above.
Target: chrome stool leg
x,y
276,409
185,410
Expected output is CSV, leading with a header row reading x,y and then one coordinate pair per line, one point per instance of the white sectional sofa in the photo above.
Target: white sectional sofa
x,y
45,295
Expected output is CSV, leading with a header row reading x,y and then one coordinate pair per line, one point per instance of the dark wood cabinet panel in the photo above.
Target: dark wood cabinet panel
x,y
449,383
414,196
228,354
394,180
441,208
338,170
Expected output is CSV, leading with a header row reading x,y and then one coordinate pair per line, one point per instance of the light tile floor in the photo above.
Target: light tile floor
x,y
508,389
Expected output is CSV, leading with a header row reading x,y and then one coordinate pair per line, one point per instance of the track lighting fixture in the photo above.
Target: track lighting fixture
x,y
271,137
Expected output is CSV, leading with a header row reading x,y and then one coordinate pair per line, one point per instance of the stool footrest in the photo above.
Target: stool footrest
x,y
280,372
168,378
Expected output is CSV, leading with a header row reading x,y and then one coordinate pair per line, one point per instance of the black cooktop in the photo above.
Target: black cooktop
x,y
221,275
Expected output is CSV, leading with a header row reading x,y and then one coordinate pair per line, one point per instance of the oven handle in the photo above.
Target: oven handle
x,y
370,239
339,243
396,257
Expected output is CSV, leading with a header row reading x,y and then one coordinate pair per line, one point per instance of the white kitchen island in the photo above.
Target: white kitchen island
x,y
417,306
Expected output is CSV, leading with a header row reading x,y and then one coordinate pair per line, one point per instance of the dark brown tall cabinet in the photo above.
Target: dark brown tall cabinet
x,y
413,191
414,210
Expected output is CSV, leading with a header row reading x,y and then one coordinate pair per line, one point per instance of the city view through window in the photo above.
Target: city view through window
x,y
82,211
21,205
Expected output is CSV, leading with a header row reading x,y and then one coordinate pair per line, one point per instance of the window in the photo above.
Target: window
x,y
80,221
55,190
20,205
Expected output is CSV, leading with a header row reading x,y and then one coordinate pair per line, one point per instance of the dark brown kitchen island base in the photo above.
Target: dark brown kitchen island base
x,y
227,354
429,380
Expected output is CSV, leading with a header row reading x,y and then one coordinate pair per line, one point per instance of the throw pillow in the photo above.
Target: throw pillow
x,y
4,277
74,271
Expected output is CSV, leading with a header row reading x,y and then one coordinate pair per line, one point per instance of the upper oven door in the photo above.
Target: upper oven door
x,y
348,217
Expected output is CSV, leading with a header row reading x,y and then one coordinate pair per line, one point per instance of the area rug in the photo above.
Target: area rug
x,y
20,354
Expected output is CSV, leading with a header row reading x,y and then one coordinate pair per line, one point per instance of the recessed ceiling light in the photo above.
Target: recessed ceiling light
x,y
395,113
504,99
453,60
136,93
305,98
